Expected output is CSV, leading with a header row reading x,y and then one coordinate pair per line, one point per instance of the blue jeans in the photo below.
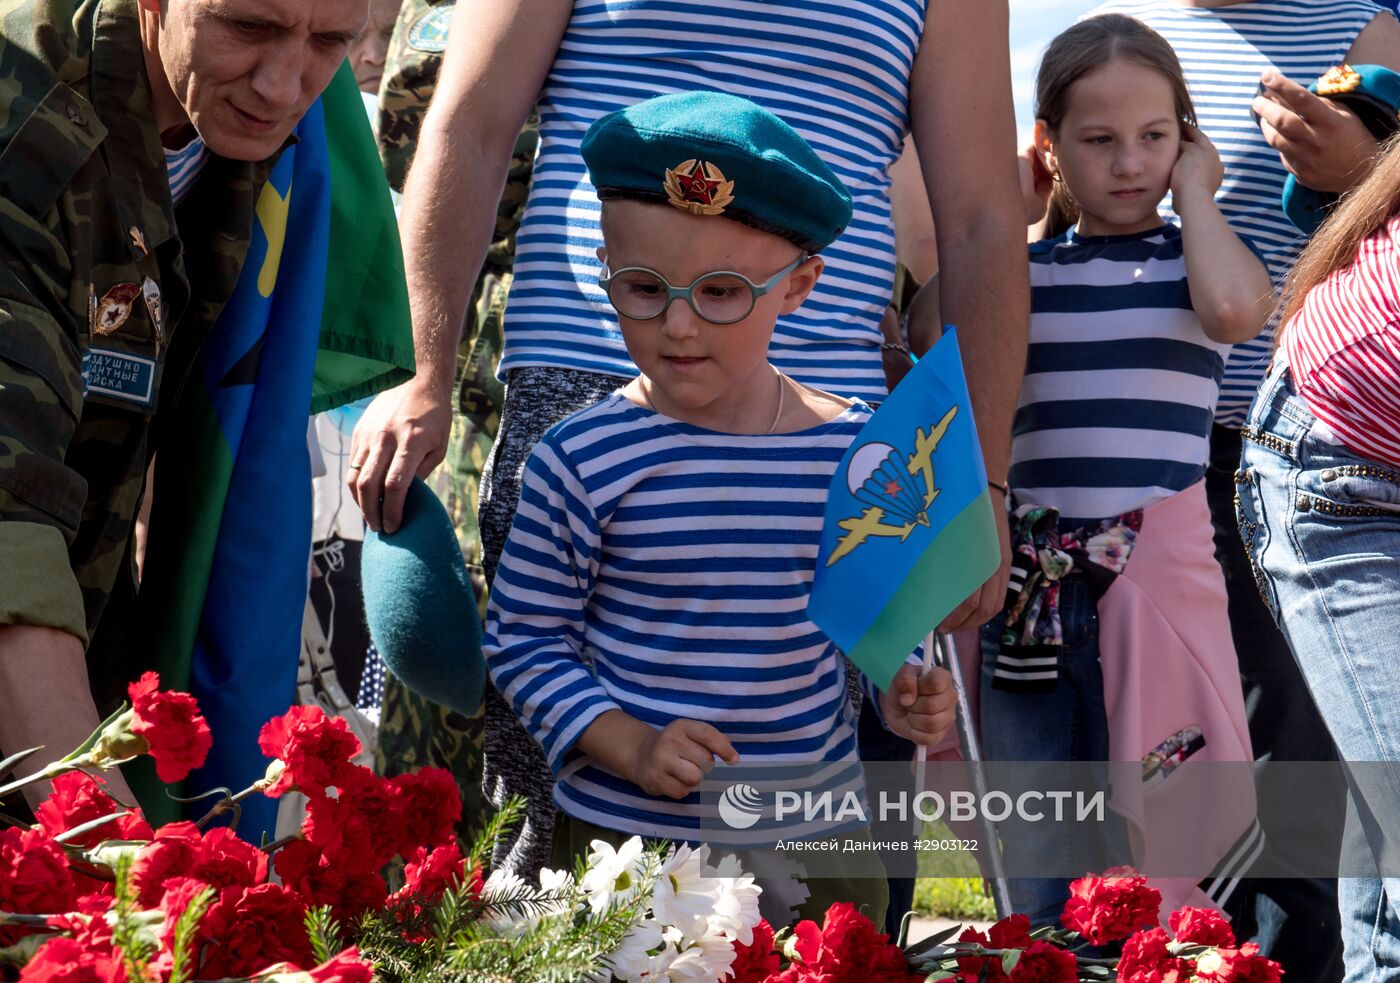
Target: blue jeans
x,y
1069,724
1293,919
1321,526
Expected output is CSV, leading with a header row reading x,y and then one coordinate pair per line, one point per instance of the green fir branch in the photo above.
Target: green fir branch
x,y
506,818
324,933
135,950
185,956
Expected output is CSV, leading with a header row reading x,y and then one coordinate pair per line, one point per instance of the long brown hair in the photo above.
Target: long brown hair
x,y
1086,46
1334,246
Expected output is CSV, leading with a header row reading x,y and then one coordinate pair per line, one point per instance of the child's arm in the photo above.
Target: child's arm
x,y
1230,288
670,762
920,706
534,633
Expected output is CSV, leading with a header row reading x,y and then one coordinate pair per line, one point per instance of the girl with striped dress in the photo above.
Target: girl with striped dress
x,y
1115,643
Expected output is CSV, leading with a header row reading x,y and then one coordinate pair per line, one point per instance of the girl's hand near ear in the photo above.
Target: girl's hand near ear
x,y
1036,184
1198,165
1230,288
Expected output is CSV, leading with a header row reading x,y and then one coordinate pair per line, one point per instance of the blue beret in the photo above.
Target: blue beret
x,y
1372,92
421,609
714,154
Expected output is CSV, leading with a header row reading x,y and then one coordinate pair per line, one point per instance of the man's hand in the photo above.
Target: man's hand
x,y
45,701
674,760
1319,140
920,706
987,601
403,432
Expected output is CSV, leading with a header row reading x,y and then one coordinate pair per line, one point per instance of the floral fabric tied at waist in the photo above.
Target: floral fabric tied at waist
x,y
1041,557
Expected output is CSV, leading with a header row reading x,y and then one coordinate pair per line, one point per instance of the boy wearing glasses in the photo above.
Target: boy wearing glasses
x,y
648,615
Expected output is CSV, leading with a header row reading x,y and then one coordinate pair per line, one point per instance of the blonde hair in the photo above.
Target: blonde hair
x,y
1089,45
1362,211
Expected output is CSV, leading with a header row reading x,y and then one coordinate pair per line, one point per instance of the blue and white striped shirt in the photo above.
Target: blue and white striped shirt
x,y
838,72
183,167
1223,50
1121,379
664,569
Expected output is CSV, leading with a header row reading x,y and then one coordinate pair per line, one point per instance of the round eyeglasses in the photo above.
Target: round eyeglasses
x,y
722,297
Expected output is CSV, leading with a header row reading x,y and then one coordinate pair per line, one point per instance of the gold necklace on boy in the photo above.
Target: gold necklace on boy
x,y
782,392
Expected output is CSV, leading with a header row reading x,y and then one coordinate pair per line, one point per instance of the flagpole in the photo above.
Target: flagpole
x,y
972,754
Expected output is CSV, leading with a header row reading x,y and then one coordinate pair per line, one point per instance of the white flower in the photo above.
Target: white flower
x,y
614,876
519,919
559,883
736,906
684,892
702,957
514,921
632,960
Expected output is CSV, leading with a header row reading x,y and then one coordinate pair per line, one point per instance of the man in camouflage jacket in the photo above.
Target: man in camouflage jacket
x,y
108,289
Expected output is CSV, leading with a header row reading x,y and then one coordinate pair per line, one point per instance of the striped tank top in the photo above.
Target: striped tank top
x,y
1223,50
837,72
1343,348
664,570
1121,379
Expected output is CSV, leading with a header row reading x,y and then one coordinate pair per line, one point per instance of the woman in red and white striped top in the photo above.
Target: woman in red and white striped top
x,y
1319,510
1342,342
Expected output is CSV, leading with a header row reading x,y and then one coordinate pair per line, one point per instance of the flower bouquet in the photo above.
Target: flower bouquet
x,y
1118,907
91,893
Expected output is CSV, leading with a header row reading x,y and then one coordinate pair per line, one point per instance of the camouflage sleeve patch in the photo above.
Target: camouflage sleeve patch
x,y
410,75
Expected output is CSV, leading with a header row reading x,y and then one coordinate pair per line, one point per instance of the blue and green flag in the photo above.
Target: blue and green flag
x,y
909,531
319,318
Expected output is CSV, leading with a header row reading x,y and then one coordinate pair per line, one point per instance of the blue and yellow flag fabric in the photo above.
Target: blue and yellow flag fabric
x,y
909,531
225,580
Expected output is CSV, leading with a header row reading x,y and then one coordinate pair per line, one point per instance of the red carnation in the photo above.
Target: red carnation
x,y
349,891
975,966
431,805
357,828
346,967
63,960
251,928
180,893
315,750
847,948
426,878
1202,926
1145,959
34,878
172,727
1012,932
1242,965
1045,963
755,962
171,853
1105,909
223,860
77,799
430,875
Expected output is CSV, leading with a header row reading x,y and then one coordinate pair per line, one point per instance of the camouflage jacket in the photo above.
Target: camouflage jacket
x,y
103,302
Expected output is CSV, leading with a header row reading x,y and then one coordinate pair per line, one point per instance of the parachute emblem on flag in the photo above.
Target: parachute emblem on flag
x,y
892,487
